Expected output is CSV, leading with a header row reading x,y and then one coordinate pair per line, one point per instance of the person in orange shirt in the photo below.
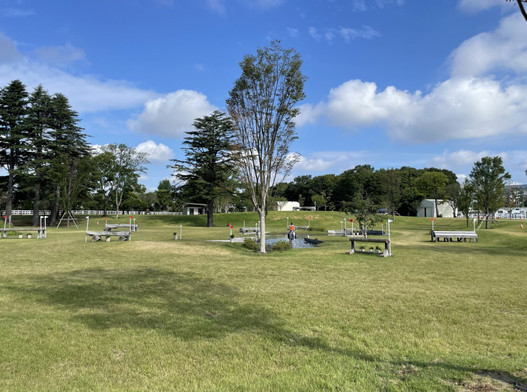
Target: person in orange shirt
x,y
291,235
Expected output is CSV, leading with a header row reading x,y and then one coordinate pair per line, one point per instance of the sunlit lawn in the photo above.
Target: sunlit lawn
x,y
158,314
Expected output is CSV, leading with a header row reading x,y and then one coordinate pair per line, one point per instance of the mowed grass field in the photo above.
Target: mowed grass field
x,y
156,314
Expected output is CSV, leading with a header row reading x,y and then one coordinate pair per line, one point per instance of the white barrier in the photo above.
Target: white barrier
x,y
96,212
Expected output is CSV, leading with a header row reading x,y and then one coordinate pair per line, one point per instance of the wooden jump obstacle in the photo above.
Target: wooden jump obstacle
x,y
387,246
107,233
449,236
248,230
98,235
110,226
41,232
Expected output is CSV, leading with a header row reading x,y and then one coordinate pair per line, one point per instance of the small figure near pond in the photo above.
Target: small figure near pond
x,y
292,234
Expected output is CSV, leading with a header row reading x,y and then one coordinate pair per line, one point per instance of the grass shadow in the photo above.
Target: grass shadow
x,y
183,305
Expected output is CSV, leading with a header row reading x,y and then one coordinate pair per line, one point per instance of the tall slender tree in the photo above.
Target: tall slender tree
x,y
13,134
466,199
262,108
208,163
67,140
38,123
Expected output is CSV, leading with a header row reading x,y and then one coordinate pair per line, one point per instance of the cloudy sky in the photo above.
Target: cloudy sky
x,y
391,83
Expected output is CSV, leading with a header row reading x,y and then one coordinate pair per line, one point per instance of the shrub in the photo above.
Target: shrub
x,y
251,244
281,246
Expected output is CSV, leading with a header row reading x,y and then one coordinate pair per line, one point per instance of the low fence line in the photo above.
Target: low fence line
x,y
97,212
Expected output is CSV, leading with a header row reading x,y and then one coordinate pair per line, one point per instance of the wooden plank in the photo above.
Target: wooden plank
x,y
23,229
41,233
384,241
110,226
360,239
97,235
449,235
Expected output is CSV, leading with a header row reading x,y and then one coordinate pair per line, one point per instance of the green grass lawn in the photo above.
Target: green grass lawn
x,y
156,314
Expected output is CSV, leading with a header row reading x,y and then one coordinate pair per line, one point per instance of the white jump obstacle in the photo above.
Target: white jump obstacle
x,y
107,233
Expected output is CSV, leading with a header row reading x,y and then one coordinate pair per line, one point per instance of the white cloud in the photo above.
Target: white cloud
x,y
366,32
308,114
331,161
473,103
355,103
346,33
173,114
455,109
501,49
293,33
313,32
457,159
362,5
219,6
263,4
462,161
480,5
60,54
216,6
156,152
359,5
86,93
8,50
16,12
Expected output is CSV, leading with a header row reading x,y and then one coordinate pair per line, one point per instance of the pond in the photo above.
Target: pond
x,y
297,243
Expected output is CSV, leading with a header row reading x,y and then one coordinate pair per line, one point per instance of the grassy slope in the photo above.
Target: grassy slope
x,y
156,314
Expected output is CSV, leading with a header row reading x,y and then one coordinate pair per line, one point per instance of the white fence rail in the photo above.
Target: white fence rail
x,y
96,212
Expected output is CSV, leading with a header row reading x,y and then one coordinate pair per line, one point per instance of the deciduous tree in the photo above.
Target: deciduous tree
x,y
433,183
488,177
123,167
262,108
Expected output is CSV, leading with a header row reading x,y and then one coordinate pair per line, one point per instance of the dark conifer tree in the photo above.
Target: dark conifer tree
x,y
208,163
13,134
38,123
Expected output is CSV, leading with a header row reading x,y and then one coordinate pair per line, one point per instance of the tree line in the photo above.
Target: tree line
x,y
232,162
48,163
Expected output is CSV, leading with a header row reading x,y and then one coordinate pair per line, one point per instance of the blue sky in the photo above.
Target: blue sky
x,y
391,83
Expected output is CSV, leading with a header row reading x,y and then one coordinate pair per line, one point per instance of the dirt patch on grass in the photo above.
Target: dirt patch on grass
x,y
492,381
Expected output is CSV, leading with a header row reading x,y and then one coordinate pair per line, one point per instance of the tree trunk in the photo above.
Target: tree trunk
x,y
437,207
261,214
9,201
53,216
55,208
105,205
36,205
210,213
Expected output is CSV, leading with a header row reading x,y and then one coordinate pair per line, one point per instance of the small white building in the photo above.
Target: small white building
x,y
511,213
288,205
194,209
427,209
